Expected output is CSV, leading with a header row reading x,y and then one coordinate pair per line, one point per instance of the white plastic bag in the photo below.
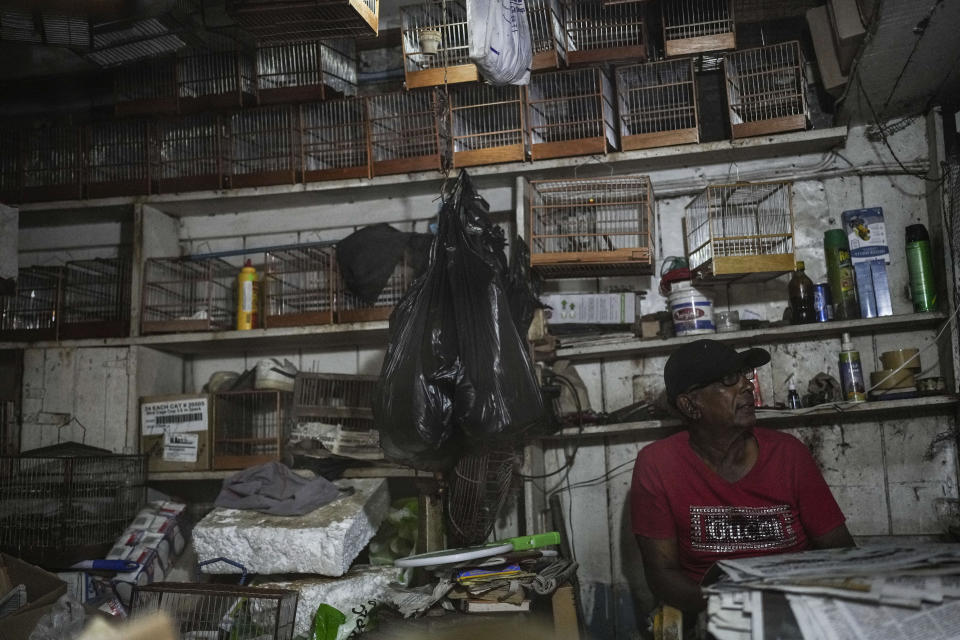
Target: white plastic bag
x,y
500,44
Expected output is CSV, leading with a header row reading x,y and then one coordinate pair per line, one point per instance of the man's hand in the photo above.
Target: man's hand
x,y
835,538
661,566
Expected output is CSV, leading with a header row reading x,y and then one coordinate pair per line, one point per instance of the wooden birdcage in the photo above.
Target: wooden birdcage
x,y
547,34
337,410
11,165
333,140
486,124
303,71
297,20
118,159
765,90
180,294
570,113
190,153
31,311
146,87
264,146
352,308
589,227
52,163
435,46
697,26
96,298
598,32
299,286
215,80
657,104
404,134
249,427
741,231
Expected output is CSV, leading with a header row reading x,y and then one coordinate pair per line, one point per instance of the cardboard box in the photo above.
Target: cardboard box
x,y
831,75
873,289
43,590
590,308
848,30
175,432
866,234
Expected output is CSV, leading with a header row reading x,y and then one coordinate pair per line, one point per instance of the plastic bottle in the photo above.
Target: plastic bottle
x,y
793,398
851,374
800,291
247,297
923,291
840,275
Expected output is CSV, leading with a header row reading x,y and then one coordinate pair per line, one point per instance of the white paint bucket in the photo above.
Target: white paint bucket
x,y
692,311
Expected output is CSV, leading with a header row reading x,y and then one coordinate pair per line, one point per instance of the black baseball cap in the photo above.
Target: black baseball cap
x,y
704,361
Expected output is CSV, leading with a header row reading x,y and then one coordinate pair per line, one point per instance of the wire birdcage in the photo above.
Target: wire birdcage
x,y
299,284
118,159
741,231
249,427
296,20
435,46
52,163
11,165
96,298
68,502
180,294
657,104
32,311
487,124
765,90
190,153
303,71
586,227
404,134
546,34
597,32
220,610
351,308
264,146
479,486
145,87
570,113
333,140
215,80
697,26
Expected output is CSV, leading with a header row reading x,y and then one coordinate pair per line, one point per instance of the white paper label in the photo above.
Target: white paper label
x,y
180,447
173,416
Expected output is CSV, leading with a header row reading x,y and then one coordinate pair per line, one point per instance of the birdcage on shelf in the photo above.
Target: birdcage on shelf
x,y
146,87
657,104
118,159
52,163
697,26
297,20
31,311
215,80
435,46
598,32
96,298
303,71
570,113
741,231
546,34
11,165
404,134
353,308
264,146
299,286
180,294
487,124
249,427
190,153
586,227
765,90
337,410
333,140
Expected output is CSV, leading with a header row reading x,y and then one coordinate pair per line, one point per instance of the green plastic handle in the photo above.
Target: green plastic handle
x,y
533,542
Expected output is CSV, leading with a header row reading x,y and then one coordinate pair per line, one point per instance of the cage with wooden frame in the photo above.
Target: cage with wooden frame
x,y
587,227
337,410
436,50
546,34
352,308
303,71
249,427
146,87
189,153
599,32
52,163
333,140
182,294
486,124
297,20
264,146
215,80
765,90
31,311
741,231
657,104
96,298
11,165
118,158
570,113
404,132
299,286
697,26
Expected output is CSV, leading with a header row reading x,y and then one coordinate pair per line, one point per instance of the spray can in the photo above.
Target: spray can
x,y
851,373
247,297
922,289
840,275
793,398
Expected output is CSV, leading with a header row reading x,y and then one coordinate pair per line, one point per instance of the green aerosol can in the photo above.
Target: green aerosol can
x,y
840,275
923,289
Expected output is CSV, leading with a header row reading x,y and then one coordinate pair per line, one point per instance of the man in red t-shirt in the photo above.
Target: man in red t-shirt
x,y
723,488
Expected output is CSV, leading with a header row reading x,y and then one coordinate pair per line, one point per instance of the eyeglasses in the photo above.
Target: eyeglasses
x,y
727,380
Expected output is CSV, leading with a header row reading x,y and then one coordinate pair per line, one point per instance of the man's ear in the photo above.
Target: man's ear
x,y
688,407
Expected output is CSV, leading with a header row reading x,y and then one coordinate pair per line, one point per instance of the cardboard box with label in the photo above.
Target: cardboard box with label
x,y
175,432
590,308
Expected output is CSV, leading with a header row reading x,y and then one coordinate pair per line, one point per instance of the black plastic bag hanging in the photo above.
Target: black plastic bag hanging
x,y
367,257
523,286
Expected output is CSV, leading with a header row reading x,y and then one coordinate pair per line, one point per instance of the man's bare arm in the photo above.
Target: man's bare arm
x,y
661,565
838,537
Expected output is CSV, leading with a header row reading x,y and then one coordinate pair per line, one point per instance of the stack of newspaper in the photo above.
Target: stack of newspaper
x,y
885,591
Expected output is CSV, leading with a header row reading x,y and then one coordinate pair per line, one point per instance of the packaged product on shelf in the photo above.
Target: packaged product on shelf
x,y
866,234
590,308
153,540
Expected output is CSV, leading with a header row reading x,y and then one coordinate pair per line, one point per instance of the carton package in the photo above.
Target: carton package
x,y
153,540
867,234
175,432
831,75
43,590
590,308
873,289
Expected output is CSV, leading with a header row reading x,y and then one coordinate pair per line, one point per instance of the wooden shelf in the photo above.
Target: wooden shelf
x,y
384,470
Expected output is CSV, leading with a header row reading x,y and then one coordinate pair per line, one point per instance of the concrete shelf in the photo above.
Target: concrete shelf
x,y
382,470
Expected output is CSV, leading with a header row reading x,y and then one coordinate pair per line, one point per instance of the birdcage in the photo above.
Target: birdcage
x,y
352,308
697,26
333,140
118,159
741,231
249,427
96,298
570,113
190,153
215,80
220,610
302,71
11,165
299,285
337,410
585,227
31,311
180,294
297,20
52,163
146,87
479,486
657,104
598,32
404,134
765,90
435,46
487,124
264,146
546,34
68,502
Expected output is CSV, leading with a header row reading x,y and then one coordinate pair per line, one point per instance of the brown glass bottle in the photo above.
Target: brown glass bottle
x,y
800,291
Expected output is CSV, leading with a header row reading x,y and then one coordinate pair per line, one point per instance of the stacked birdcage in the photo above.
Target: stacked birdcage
x,y
249,427
296,20
190,153
264,146
337,410
353,308
585,227
546,34
404,133
486,124
180,294
52,163
333,140
31,311
436,50
118,159
302,71
148,86
599,32
215,80
299,286
657,104
741,231
765,90
697,26
96,298
570,113
11,165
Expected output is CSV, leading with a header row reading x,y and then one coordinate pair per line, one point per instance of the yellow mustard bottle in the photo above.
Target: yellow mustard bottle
x,y
247,297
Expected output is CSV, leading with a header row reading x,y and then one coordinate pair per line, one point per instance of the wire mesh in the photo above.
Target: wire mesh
x,y
149,86
96,298
215,611
436,49
296,20
333,140
301,71
180,294
118,159
299,284
249,427
351,308
765,89
52,163
479,486
597,32
215,80
189,153
118,42
333,395
546,34
487,124
697,26
403,131
31,311
264,146
11,165
657,104
570,113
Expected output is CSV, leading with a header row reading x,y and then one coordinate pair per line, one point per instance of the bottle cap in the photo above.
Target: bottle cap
x,y
846,344
792,386
248,263
799,265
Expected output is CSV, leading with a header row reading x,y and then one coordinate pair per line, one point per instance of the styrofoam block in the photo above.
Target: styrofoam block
x,y
324,541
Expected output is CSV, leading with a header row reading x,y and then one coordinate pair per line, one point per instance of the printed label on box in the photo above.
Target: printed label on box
x,y
867,234
173,416
180,447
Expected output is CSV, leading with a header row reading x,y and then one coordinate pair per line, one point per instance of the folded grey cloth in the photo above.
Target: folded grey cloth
x,y
273,488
